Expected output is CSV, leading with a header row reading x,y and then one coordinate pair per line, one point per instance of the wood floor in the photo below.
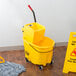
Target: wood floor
x,y
55,69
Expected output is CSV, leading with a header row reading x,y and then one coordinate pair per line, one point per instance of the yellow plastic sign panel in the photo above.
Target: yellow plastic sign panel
x,y
70,59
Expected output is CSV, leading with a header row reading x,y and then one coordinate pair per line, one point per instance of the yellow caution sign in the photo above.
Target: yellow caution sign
x,y
70,59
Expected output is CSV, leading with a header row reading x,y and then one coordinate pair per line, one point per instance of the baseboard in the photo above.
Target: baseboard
x,y
12,48
61,44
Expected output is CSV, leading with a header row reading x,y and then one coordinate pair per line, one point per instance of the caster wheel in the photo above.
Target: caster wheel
x,y
41,67
52,62
26,60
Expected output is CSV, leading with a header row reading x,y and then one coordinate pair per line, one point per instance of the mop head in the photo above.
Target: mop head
x,y
11,69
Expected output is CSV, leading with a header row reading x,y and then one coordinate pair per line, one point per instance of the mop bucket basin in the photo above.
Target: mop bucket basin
x,y
33,32
40,53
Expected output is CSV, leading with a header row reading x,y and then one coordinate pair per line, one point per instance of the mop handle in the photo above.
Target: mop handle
x,y
32,12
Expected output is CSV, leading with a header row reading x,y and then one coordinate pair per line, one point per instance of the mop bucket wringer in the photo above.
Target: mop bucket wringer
x,y
33,32
38,48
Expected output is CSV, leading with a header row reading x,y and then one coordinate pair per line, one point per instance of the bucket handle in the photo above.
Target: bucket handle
x,y
2,60
36,49
39,51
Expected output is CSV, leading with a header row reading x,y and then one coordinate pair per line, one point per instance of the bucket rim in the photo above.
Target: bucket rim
x,y
40,47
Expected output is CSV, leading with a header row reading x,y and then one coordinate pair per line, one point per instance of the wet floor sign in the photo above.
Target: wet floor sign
x,y
70,59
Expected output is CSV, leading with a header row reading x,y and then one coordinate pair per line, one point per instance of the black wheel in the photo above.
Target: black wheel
x,y
52,62
41,67
26,60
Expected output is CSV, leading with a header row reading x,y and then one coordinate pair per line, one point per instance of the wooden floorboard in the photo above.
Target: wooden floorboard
x,y
55,69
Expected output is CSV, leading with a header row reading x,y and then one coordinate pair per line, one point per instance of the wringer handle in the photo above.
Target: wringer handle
x,y
32,12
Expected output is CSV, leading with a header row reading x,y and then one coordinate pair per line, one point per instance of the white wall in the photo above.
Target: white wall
x,y
58,16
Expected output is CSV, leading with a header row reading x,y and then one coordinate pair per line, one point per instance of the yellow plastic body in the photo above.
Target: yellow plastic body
x,y
40,53
70,59
33,32
2,60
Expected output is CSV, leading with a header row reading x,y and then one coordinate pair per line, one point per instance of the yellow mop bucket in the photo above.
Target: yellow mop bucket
x,y
40,53
38,48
